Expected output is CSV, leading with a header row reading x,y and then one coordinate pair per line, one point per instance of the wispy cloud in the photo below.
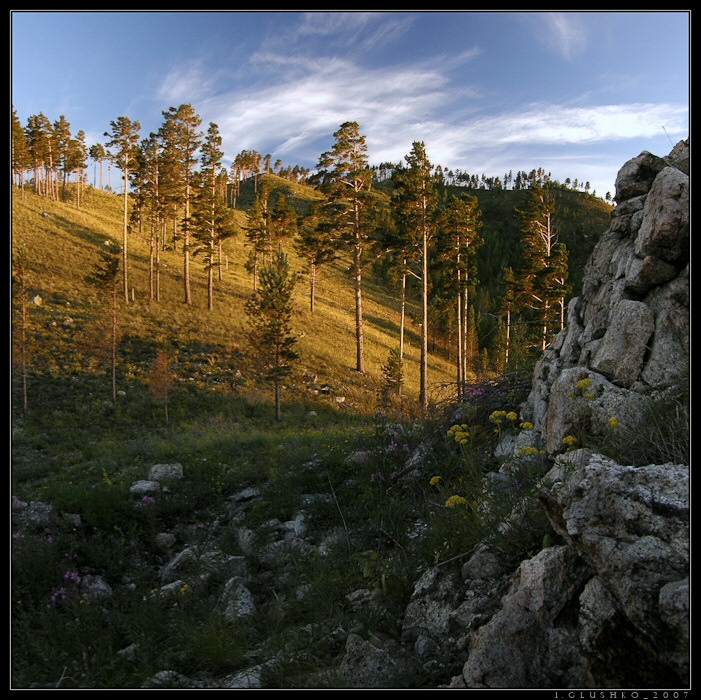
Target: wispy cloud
x,y
189,83
560,124
311,98
324,95
564,32
371,29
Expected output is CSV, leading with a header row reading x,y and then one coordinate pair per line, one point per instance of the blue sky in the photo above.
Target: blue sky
x,y
576,93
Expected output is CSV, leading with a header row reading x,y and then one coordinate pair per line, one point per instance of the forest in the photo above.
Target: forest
x,y
481,267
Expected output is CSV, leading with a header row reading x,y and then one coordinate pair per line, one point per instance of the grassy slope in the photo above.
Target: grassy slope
x,y
63,247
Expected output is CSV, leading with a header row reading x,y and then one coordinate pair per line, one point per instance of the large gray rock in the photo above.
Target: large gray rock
x,y
524,645
631,526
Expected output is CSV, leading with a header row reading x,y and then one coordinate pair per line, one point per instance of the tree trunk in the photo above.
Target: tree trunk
x,y
210,277
124,241
150,262
402,316
220,259
423,389
312,286
360,359
460,373
508,338
114,342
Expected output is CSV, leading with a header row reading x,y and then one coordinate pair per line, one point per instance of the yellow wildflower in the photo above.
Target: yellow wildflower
x,y
527,450
583,383
455,501
435,480
569,440
526,425
613,422
511,415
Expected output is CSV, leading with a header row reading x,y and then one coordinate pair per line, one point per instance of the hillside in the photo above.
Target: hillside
x,y
63,244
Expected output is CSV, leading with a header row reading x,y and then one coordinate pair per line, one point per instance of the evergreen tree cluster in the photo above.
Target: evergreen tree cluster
x,y
490,273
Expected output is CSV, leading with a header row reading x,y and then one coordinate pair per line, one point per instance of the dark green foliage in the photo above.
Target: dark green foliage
x,y
105,272
269,312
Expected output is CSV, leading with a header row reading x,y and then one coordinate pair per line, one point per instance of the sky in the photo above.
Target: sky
x,y
576,93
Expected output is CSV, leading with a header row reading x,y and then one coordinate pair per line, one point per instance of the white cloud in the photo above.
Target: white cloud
x,y
299,100
189,84
565,33
362,30
558,124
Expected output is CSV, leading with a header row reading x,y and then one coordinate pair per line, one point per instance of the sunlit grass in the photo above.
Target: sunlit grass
x,y
63,248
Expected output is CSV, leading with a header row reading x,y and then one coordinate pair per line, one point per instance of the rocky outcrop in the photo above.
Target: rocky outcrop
x,y
594,612
628,333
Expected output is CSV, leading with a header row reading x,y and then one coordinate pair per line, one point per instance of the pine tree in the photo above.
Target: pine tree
x,y
392,375
415,200
284,223
98,155
344,177
181,140
62,133
41,144
20,151
315,244
148,192
258,233
544,270
398,253
78,162
512,300
124,138
460,223
210,221
104,277
269,312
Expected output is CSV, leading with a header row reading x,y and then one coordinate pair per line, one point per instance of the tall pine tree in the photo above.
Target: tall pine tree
x,y
181,140
344,177
544,269
124,138
460,223
210,221
415,201
314,244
